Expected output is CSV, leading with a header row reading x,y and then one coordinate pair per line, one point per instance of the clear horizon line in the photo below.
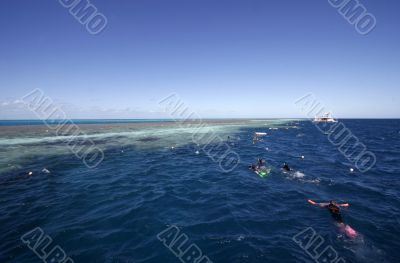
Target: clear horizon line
x,y
208,118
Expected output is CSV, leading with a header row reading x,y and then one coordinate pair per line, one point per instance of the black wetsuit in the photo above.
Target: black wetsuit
x,y
286,167
335,212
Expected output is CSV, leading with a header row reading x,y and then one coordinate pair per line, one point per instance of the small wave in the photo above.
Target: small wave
x,y
298,174
363,249
294,174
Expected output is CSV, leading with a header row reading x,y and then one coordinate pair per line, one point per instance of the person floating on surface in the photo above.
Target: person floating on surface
x,y
260,162
286,167
253,167
334,209
258,166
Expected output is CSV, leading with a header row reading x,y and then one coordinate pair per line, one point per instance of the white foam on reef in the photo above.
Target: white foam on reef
x,y
25,146
160,131
137,134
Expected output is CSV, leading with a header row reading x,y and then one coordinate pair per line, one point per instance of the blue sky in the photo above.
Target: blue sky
x,y
225,58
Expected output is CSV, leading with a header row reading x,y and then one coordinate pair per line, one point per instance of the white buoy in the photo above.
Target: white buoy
x,y
30,173
197,152
351,170
302,157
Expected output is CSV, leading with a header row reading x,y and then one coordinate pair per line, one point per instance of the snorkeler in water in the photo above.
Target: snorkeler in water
x,y
334,209
286,167
253,167
260,163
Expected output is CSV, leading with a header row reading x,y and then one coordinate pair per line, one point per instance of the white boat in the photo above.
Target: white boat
x,y
325,118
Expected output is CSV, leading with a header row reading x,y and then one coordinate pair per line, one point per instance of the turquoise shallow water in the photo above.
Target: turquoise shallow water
x,y
80,121
154,176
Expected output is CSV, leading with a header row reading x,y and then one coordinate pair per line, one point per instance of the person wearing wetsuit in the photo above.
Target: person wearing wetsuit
x,y
286,167
335,211
253,167
260,163
256,167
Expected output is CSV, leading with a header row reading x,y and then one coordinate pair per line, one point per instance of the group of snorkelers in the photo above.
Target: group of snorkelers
x,y
332,206
261,163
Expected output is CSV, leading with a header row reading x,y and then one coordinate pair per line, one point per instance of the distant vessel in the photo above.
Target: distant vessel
x,y
325,118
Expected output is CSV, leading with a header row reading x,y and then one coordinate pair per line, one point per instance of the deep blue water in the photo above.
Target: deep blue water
x,y
114,212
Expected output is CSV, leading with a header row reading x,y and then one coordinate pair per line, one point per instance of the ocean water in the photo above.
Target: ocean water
x,y
154,176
